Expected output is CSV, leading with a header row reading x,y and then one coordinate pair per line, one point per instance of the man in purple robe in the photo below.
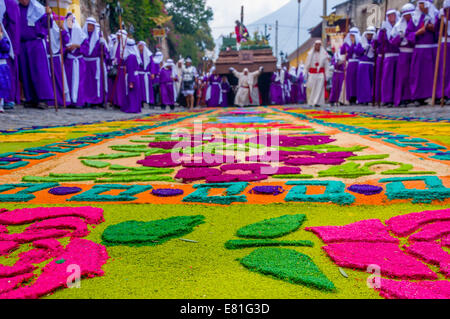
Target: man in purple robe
x,y
444,80
155,69
338,63
33,62
133,90
421,32
118,84
402,87
389,63
214,94
95,80
11,22
366,54
301,85
276,87
144,73
74,62
351,41
167,77
226,88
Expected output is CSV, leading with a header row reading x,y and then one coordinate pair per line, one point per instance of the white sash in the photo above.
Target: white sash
x,y
147,84
97,72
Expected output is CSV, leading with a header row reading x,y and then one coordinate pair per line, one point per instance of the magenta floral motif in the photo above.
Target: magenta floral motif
x,y
48,224
369,242
195,174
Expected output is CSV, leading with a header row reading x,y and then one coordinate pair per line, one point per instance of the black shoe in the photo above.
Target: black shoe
x,y
42,106
29,105
172,108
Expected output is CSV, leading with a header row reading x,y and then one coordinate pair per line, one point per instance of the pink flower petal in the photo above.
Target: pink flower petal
x,y
431,253
7,246
371,230
407,224
393,262
432,232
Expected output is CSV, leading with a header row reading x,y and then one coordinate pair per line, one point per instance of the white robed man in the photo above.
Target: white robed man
x,y
246,86
316,69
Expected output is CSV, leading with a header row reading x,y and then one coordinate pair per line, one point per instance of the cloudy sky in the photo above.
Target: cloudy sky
x,y
228,11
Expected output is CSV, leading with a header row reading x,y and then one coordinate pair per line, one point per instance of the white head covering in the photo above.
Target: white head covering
x,y
293,71
95,34
365,42
432,12
300,70
353,31
442,13
158,57
401,25
77,36
132,49
386,25
2,13
147,54
35,12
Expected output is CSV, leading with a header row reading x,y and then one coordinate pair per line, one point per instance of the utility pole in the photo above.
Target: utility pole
x,y
324,24
276,39
298,31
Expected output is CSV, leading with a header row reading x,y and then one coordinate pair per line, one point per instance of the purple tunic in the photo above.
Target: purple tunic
x,y
352,70
301,90
118,84
146,83
402,79
225,89
276,91
337,80
134,99
422,62
166,87
214,86
389,66
94,80
33,62
11,21
365,74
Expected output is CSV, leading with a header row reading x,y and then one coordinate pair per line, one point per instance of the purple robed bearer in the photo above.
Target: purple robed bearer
x,y
391,54
214,94
95,80
301,85
133,90
445,12
145,75
5,76
55,47
33,62
226,88
74,62
421,32
402,87
338,62
366,54
10,15
351,41
277,88
167,77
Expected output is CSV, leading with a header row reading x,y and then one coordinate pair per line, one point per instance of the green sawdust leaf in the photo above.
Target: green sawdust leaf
x,y
239,244
288,265
156,232
272,228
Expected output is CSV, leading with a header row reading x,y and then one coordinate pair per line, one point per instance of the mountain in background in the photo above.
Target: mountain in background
x,y
310,16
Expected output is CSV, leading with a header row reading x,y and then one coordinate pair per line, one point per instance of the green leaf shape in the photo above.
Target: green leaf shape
x,y
240,244
153,233
272,228
287,265
96,164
